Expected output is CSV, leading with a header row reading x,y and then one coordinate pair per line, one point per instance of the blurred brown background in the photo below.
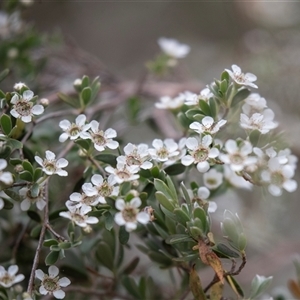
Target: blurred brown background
x,y
262,37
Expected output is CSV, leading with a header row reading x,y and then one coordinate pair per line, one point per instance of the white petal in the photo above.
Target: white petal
x,y
50,155
39,274
89,189
65,214
26,119
110,133
40,204
290,185
236,69
207,121
192,143
157,144
120,204
38,160
203,166
112,144
63,137
231,146
37,109
19,278
203,192
143,217
213,153
119,219
129,148
7,178
212,206
274,190
196,126
25,205
62,163
59,294
94,126
61,173
135,202
80,120
42,290
187,160
12,270
171,145
206,140
130,226
53,271
27,95
64,124
147,165
14,113
92,220
110,169
3,164
97,180
64,281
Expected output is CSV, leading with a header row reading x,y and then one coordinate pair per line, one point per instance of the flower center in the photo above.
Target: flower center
x,y
23,108
74,130
50,166
105,190
277,178
133,159
50,284
200,154
162,153
78,218
237,159
88,200
123,174
129,214
99,138
6,279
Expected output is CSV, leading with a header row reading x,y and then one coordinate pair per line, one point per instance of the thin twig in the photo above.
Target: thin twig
x,y
57,235
40,242
92,160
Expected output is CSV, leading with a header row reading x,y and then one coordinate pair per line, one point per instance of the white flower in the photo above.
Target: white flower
x,y
208,125
212,179
39,200
5,177
79,215
181,150
129,214
167,102
136,156
123,172
23,108
163,150
51,284
18,86
73,130
199,153
202,195
236,180
173,48
279,177
193,99
9,278
52,166
78,199
237,156
101,139
241,78
101,188
254,103
263,122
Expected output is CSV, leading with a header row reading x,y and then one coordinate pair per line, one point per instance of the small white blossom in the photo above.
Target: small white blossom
x,y
9,277
199,153
167,102
18,86
208,125
212,179
79,215
279,177
241,78
202,195
73,130
254,103
181,150
136,156
129,214
23,108
123,172
52,284
101,139
238,156
192,99
39,200
163,150
101,188
263,122
5,177
79,199
173,48
236,180
52,166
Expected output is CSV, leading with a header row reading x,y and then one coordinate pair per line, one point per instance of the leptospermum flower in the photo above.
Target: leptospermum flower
x,y
199,153
212,179
167,102
173,48
73,130
102,139
23,108
136,156
208,125
123,172
241,78
52,284
163,150
202,195
254,103
193,99
52,166
101,188
279,177
9,278
39,200
79,215
5,177
129,214
237,156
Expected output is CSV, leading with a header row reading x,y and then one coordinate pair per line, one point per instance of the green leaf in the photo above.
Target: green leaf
x,y
242,241
13,195
52,258
4,74
6,124
254,137
225,251
25,175
35,190
224,86
240,96
14,144
27,166
205,107
109,221
160,258
183,119
64,245
35,232
163,188
33,215
178,238
85,96
259,285
185,193
235,285
85,82
50,242
131,287
201,214
110,159
38,173
172,188
85,144
164,201
181,216
15,161
123,235
225,76
104,256
190,257
131,266
190,114
8,204
213,107
175,169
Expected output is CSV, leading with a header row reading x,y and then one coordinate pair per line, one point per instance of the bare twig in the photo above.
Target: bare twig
x,y
57,235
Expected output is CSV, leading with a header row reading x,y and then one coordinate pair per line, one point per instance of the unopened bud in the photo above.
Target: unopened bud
x,y
44,102
19,168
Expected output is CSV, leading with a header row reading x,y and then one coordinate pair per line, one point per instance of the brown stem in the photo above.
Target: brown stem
x,y
93,161
57,235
